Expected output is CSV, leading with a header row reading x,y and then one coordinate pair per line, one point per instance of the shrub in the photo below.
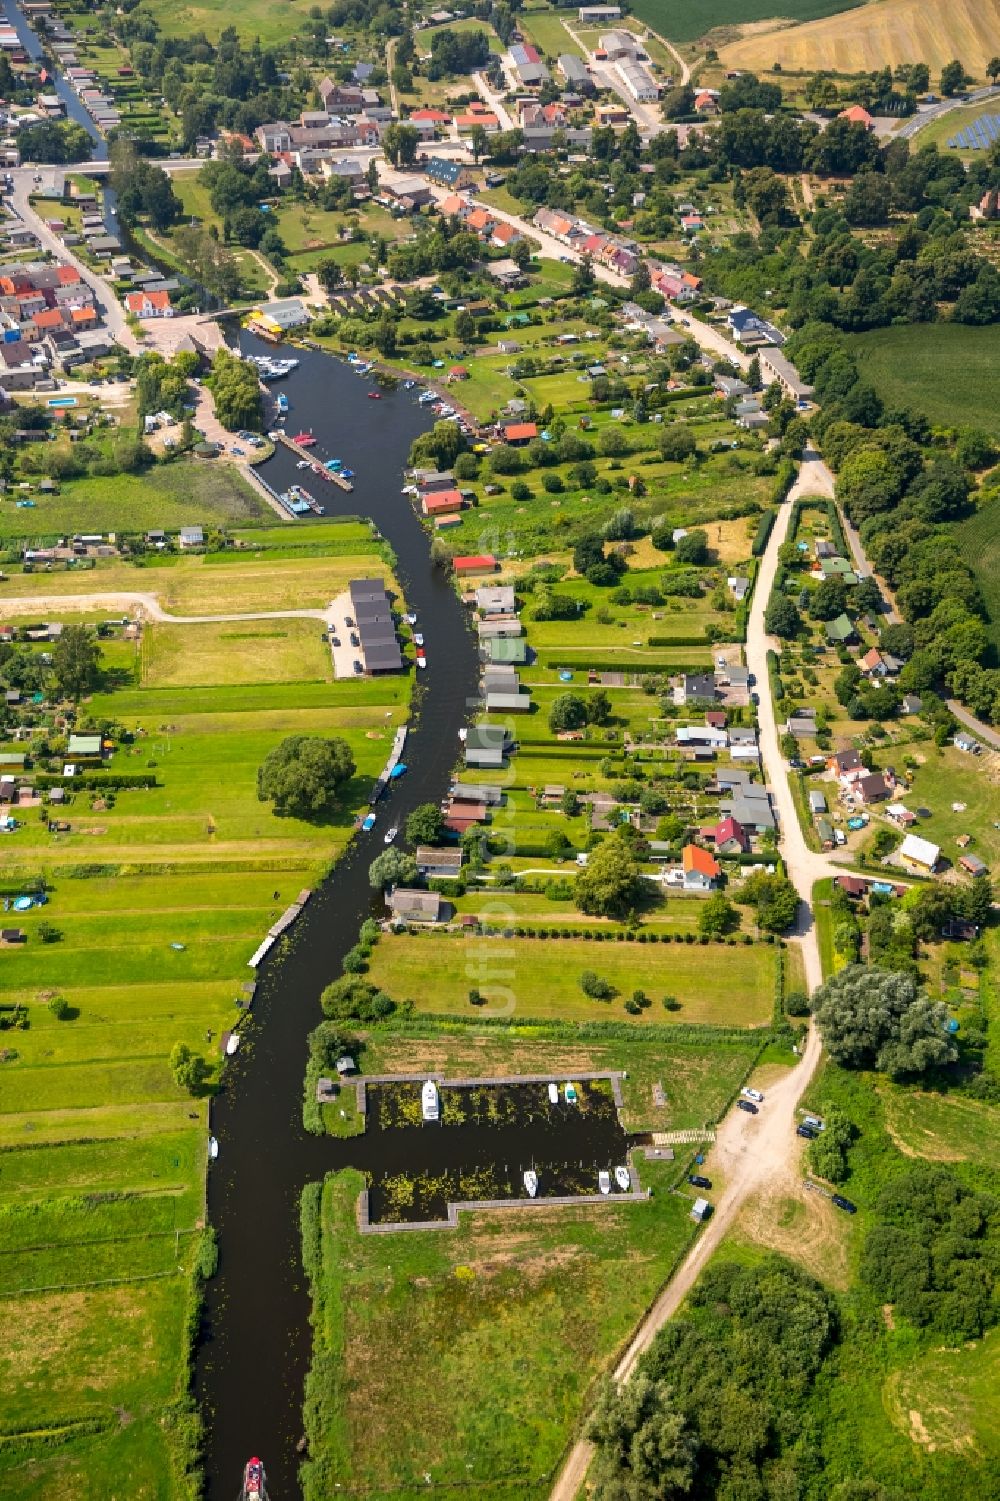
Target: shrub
x,y
60,1008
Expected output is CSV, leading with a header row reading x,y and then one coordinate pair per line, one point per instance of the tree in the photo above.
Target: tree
x,y
189,1069
465,327
425,825
693,548
330,273
879,1019
478,141
953,78
645,1449
977,901
610,884
774,898
583,277
993,69
717,916
568,712
781,618
599,707
677,443
75,661
400,142
303,775
392,868
235,387
356,999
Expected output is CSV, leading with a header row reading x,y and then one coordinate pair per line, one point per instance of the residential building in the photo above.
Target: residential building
x,y
519,434
483,562
574,72
919,854
749,329
775,367
701,870
593,15
528,65
496,600
840,631
438,864
485,745
409,905
449,174
856,114
149,304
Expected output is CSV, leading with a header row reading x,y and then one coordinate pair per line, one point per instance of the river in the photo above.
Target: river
x,y
58,84
252,1362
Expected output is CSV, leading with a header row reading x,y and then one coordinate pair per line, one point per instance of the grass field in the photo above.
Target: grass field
x,y
468,1354
255,18
685,23
168,496
881,33
157,898
540,977
942,1128
947,1399
548,33
946,373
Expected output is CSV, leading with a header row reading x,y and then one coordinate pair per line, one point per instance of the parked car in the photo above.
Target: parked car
x,y
335,640
698,1182
844,1204
355,639
813,1121
808,1132
748,1106
752,1094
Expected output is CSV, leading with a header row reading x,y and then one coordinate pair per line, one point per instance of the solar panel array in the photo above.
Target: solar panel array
x,y
978,136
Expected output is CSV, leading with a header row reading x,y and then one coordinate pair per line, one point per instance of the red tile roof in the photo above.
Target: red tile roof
x,y
515,432
699,860
476,563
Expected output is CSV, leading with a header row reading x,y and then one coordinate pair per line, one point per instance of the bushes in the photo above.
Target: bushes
x,y
763,532
98,781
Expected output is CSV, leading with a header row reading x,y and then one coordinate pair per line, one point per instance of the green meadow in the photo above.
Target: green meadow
x,y
157,897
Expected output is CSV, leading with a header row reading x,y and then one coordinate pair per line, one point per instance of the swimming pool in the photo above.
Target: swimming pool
x,y
61,401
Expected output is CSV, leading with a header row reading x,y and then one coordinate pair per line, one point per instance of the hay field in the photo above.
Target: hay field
x,y
881,33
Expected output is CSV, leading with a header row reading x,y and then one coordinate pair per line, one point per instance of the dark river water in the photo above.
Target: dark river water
x,y
255,1350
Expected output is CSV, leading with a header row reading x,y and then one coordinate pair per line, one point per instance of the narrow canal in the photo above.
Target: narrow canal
x,y
32,45
255,1350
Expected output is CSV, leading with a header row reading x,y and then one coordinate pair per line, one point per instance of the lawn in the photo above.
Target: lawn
x,y
549,34
948,375
279,651
947,1399
469,1355
256,18
179,493
534,977
948,776
942,1128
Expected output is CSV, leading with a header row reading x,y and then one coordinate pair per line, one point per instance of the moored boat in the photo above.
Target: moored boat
x,y
531,1183
368,823
553,1094
623,1179
570,1093
390,835
254,1481
604,1181
232,1043
430,1101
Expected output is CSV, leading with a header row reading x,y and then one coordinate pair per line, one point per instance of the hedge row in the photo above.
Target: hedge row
x,y
98,781
639,668
705,637
763,532
783,480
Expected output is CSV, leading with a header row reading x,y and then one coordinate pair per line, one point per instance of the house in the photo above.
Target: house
x,y
911,704
901,815
192,536
919,854
824,829
618,44
505,235
408,905
441,502
857,115
729,837
496,601
747,327
852,886
485,745
701,870
638,81
846,764
593,15
801,724
445,173
149,304
506,651
84,745
775,367
428,480
973,865
872,788
700,1211
966,743
475,563
698,687
738,586
817,802
701,734
435,864
872,663
518,434
574,73
528,65
988,206
840,631
743,744
487,793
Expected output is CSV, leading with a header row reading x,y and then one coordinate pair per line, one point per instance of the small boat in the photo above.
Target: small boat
x,y
253,1481
430,1101
389,835
368,823
463,732
421,662
418,639
531,1183
604,1181
282,403
180,947
553,1094
409,617
213,1149
304,440
623,1179
399,770
571,1094
374,395
232,1043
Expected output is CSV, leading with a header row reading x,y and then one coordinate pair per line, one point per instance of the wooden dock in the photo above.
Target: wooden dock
x,y
399,740
282,925
317,467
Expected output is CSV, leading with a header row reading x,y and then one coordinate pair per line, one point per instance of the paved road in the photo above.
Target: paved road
x,y
494,101
751,1151
924,117
864,569
108,305
975,725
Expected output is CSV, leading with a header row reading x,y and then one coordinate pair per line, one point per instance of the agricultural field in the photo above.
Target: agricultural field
x,y
945,375
683,23
540,977
882,33
468,1354
168,496
155,899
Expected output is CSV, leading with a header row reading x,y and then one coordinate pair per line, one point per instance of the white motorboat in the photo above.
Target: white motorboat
x,y
531,1183
430,1101
463,732
421,662
604,1181
570,1093
232,1043
418,639
389,835
623,1179
409,617
213,1149
553,1094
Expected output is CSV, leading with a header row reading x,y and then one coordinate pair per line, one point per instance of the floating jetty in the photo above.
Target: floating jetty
x,y
282,925
397,750
303,453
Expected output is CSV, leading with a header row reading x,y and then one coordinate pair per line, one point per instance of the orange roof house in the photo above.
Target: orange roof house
x,y
701,870
442,503
435,116
455,204
520,432
857,116
49,318
479,220
505,234
83,317
68,276
483,562
705,103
